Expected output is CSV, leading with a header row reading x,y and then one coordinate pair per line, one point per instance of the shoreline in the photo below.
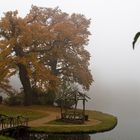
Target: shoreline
x,y
98,122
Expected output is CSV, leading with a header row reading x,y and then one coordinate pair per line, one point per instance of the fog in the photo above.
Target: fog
x,y
115,66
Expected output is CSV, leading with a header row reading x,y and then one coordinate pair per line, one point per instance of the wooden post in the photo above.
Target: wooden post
x,y
84,107
61,110
75,106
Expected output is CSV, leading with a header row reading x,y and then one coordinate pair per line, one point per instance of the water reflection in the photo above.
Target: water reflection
x,y
43,136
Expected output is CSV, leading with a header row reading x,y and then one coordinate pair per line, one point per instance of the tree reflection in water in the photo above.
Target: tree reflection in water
x,y
43,136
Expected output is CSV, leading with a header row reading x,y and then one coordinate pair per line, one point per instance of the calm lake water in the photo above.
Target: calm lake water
x,y
55,137
123,101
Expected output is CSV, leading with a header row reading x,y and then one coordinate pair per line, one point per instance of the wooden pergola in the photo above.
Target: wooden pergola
x,y
72,114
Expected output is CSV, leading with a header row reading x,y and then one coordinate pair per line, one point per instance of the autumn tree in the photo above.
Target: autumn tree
x,y
19,50
46,48
69,60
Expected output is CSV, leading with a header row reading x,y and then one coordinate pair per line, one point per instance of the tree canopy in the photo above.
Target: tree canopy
x,y
46,48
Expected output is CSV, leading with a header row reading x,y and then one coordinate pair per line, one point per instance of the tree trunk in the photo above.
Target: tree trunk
x,y
53,64
24,78
51,98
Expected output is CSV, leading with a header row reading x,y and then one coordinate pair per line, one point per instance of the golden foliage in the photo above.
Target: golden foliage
x,y
27,41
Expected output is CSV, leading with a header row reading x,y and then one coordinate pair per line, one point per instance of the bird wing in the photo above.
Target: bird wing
x,y
135,39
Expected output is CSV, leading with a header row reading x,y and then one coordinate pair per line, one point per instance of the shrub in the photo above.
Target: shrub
x,y
65,90
65,103
50,96
42,98
1,99
46,98
35,95
14,99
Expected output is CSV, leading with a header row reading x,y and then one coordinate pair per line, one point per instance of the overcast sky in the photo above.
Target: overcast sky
x,y
114,23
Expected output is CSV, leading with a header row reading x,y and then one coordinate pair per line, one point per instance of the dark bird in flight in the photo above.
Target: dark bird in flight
x,y
135,39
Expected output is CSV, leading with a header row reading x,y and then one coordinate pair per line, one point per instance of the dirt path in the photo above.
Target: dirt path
x,y
51,115
42,121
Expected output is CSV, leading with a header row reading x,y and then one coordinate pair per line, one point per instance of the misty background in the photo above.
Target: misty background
x,y
114,64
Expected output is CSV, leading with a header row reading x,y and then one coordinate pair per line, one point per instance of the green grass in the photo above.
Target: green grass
x,y
59,122
24,111
108,122
5,138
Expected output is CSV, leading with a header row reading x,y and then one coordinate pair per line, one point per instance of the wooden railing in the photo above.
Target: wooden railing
x,y
73,117
9,122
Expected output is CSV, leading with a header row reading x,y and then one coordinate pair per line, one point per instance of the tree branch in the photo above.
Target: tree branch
x,y
37,50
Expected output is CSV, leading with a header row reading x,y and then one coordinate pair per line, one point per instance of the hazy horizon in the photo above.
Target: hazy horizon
x,y
113,26
115,66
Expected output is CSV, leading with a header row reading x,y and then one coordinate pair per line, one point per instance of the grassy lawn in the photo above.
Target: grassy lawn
x,y
5,138
29,112
107,122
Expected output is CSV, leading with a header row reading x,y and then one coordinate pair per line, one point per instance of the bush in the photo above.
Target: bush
x,y
64,103
42,98
65,90
50,96
86,117
14,99
38,97
1,99
35,95
46,98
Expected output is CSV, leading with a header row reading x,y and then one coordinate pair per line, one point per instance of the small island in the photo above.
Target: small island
x,y
97,122
46,119
46,53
